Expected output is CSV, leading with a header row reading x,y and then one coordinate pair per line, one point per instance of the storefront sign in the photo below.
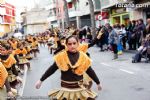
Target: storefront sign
x,y
119,10
103,15
100,17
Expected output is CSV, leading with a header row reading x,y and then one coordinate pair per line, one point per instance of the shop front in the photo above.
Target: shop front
x,y
102,18
119,16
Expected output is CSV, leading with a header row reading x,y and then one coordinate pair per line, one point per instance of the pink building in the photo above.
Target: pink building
x,y
56,14
7,18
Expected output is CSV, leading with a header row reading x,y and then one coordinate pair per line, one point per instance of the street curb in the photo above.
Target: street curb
x,y
20,92
130,51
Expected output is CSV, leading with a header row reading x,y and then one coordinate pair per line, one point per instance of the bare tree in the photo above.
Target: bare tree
x,y
92,17
67,23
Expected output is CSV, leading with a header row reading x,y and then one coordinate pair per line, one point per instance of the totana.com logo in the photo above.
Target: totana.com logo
x,y
132,5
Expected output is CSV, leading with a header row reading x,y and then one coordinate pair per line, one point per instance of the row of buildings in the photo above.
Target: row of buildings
x,y
50,13
121,11
7,18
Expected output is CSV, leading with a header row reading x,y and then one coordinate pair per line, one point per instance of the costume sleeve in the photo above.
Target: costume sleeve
x,y
15,56
59,49
59,43
93,43
93,75
8,88
52,69
15,72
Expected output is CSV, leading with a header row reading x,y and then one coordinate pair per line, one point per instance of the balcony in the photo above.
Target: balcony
x,y
73,12
51,18
2,11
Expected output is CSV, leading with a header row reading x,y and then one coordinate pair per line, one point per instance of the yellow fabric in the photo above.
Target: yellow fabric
x,y
3,93
72,94
15,52
3,75
14,45
30,39
99,35
86,79
23,60
11,76
18,51
83,47
28,49
9,61
47,37
34,44
80,67
24,51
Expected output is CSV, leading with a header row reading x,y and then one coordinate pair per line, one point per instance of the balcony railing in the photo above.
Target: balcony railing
x,y
52,18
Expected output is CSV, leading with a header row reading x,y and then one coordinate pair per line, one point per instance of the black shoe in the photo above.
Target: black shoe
x,y
101,50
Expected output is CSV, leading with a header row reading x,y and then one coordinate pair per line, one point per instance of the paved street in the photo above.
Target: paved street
x,y
120,79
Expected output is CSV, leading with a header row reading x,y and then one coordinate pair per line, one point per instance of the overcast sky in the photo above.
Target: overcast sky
x,y
21,4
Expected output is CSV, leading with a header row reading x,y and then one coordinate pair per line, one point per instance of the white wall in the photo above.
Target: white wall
x,y
31,29
37,16
84,10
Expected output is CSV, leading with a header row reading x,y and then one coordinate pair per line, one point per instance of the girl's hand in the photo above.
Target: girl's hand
x,y
99,87
38,84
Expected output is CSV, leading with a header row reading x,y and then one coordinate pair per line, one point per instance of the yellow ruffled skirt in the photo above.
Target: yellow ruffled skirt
x,y
86,79
3,93
11,76
74,94
23,61
80,93
29,57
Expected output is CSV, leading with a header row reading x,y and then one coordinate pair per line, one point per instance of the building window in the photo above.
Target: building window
x,y
52,1
97,4
52,12
10,12
1,19
59,11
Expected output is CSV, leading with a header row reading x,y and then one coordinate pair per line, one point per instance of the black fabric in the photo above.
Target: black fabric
x,y
4,57
114,47
93,42
59,48
8,88
14,70
92,74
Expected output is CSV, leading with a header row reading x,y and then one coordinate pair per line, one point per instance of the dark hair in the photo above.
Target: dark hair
x,y
114,26
133,21
7,46
123,25
141,20
72,36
